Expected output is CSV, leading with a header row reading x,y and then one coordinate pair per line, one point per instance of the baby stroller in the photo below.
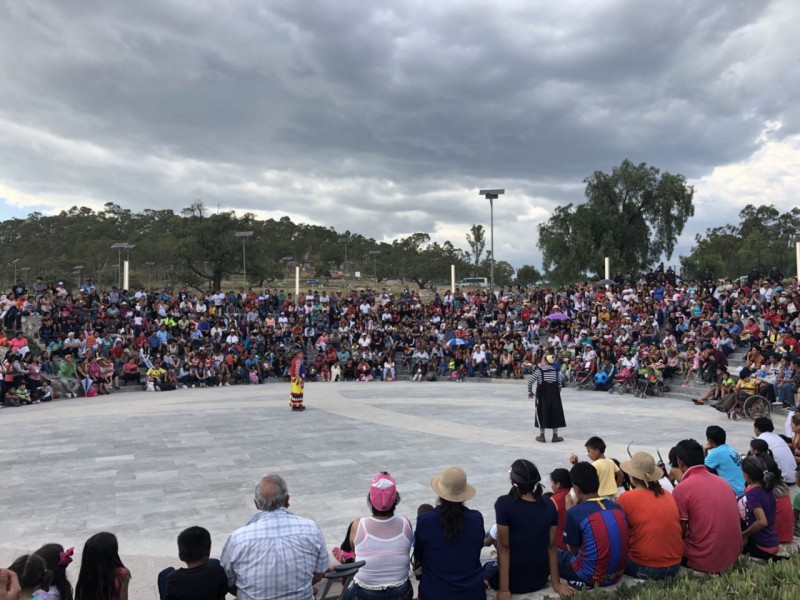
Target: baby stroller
x,y
585,375
647,383
625,380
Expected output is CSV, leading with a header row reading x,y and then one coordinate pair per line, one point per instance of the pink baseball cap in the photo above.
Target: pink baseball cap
x,y
383,492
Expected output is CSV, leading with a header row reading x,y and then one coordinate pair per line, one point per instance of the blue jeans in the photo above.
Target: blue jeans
x,y
401,592
643,572
565,567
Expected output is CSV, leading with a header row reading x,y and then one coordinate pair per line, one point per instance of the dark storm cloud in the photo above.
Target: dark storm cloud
x,y
382,118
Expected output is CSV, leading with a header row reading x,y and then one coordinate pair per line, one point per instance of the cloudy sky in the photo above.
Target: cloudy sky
x,y
385,118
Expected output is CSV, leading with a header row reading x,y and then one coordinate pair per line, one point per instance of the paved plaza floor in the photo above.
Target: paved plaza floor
x,y
145,466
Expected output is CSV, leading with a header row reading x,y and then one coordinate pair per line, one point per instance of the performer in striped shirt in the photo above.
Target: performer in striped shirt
x,y
549,410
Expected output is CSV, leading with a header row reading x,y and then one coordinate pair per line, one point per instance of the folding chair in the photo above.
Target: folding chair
x,y
346,571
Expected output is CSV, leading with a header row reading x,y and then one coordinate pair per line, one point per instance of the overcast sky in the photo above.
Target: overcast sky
x,y
385,118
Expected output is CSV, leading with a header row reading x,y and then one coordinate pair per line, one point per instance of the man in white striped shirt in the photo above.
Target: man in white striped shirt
x,y
277,554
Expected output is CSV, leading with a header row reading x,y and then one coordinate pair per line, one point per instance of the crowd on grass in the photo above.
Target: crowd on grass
x,y
580,527
92,342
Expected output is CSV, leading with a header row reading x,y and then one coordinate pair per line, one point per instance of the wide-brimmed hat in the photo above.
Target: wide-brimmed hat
x,y
642,466
550,359
452,485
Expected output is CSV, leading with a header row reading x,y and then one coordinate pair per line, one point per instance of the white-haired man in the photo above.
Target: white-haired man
x,y
276,554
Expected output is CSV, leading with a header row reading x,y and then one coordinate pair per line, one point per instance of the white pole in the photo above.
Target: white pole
x,y
491,212
797,259
125,275
452,279
296,282
608,268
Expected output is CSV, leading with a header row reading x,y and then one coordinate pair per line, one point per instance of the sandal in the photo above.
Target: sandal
x,y
343,556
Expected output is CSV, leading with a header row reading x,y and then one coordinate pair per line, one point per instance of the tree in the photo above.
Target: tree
x,y
207,246
528,274
764,237
476,238
633,215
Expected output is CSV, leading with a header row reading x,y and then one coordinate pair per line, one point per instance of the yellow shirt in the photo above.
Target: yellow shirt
x,y
606,470
747,387
155,372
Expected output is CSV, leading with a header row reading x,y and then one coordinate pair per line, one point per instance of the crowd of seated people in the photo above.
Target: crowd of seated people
x,y
167,339
580,528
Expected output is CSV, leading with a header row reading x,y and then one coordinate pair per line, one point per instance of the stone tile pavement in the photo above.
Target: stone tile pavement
x,y
145,466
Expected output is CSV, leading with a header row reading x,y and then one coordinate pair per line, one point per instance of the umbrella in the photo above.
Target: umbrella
x,y
456,342
557,316
606,282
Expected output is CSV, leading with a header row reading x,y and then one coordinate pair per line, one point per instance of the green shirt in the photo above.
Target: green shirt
x,y
66,370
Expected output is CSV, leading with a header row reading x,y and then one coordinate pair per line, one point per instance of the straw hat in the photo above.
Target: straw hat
x,y
642,466
452,485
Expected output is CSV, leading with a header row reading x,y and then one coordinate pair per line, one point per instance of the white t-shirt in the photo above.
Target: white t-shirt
x,y
782,454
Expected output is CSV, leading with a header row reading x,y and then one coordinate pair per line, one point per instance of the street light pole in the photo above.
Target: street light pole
x,y
244,235
119,247
14,262
345,241
374,254
491,195
151,267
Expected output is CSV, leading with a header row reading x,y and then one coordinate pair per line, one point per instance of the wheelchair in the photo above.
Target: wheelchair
x,y
750,406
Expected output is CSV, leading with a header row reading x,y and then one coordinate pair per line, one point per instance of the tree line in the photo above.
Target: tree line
x,y
763,238
199,248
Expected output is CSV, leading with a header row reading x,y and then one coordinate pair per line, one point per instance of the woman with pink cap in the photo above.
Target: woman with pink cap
x,y
383,540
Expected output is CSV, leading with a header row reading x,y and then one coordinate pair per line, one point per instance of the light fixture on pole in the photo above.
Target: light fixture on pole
x,y
77,273
374,254
346,241
287,260
119,247
14,262
491,195
151,267
243,235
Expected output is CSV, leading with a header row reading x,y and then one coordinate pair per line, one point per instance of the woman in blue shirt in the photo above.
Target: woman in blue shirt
x,y
448,542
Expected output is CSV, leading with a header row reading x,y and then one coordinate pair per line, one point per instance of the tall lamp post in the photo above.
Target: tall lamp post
x,y
14,262
374,254
491,196
119,247
24,271
243,235
287,260
345,241
150,268
77,272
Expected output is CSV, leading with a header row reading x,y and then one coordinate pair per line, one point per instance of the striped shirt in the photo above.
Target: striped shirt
x,y
540,375
275,556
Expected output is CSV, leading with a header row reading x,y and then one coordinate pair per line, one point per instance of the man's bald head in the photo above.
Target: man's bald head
x,y
271,493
